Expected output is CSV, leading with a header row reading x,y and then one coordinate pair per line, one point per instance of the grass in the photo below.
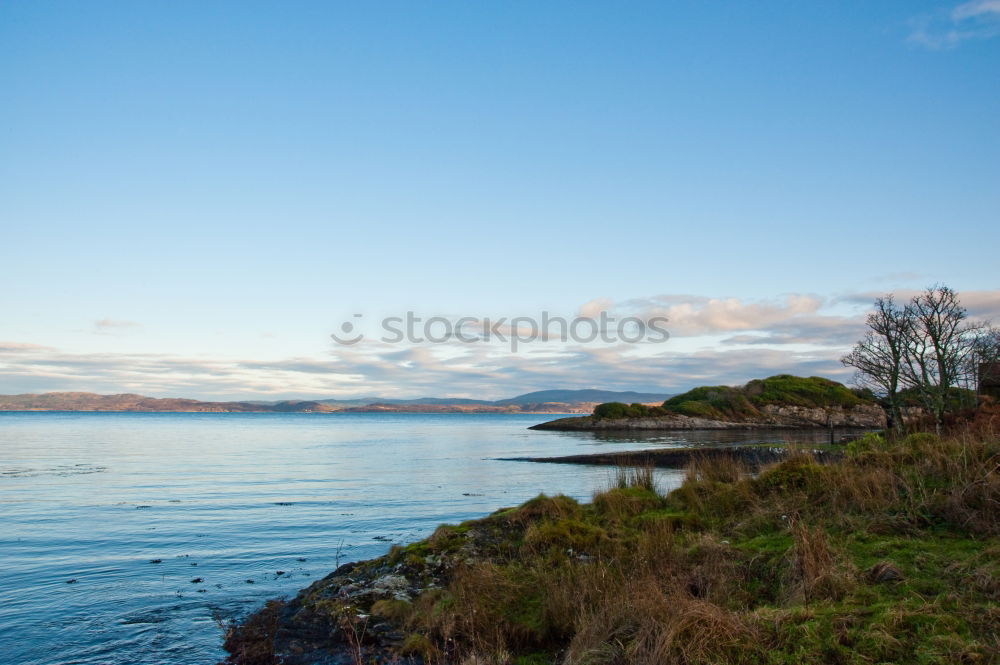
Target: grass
x,y
890,555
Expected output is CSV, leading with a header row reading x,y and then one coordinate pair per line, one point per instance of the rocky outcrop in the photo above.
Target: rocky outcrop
x,y
772,416
352,615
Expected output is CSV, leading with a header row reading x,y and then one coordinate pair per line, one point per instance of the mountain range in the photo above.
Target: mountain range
x,y
543,401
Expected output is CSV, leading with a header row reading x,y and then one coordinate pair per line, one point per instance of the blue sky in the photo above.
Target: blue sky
x,y
194,195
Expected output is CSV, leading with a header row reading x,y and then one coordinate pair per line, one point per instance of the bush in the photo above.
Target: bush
x,y
735,403
621,410
799,391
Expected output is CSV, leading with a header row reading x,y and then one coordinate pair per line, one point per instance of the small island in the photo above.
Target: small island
x,y
778,402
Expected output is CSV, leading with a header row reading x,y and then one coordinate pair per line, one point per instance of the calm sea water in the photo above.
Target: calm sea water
x,y
133,507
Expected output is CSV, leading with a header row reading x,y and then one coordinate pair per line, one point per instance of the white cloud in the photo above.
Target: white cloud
x,y
976,8
110,325
728,341
975,20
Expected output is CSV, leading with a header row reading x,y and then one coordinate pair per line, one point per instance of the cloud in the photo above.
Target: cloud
x,y
975,20
714,340
976,9
474,370
981,305
696,315
111,325
22,347
593,308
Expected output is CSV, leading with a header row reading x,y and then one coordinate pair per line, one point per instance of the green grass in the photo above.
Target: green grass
x,y
745,402
772,569
888,555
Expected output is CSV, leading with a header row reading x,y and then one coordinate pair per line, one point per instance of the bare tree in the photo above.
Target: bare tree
x,y
983,365
878,358
939,342
928,348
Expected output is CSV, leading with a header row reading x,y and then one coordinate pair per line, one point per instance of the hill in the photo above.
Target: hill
x,y
578,396
546,401
78,401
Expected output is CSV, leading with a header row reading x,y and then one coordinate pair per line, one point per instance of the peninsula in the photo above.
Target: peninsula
x,y
778,402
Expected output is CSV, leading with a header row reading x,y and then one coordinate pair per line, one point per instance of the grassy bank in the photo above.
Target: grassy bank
x,y
890,555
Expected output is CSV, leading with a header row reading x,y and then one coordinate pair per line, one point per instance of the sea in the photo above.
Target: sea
x,y
133,538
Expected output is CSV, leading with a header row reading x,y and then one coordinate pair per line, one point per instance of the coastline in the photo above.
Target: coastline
x,y
778,561
772,418
754,456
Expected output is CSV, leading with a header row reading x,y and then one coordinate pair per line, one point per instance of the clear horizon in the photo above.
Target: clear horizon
x,y
194,197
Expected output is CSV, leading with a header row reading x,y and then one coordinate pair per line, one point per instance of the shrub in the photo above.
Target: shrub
x,y
734,403
621,410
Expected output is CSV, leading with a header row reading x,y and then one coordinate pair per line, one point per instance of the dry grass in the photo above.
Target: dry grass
x,y
890,555
726,569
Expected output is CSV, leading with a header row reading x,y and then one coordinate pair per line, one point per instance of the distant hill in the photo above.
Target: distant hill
x,y
591,395
132,402
544,401
389,400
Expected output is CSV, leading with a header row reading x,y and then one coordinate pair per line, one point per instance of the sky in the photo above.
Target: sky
x,y
194,196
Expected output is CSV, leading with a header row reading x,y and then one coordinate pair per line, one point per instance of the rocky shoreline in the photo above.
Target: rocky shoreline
x,y
753,456
352,615
864,416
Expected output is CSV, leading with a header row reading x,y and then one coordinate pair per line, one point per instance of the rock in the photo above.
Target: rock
x,y
72,581
197,580
884,571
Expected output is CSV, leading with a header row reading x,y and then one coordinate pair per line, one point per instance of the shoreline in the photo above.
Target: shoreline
x,y
783,418
755,455
636,573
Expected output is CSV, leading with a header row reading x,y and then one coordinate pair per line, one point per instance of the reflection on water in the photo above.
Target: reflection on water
x,y
133,508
